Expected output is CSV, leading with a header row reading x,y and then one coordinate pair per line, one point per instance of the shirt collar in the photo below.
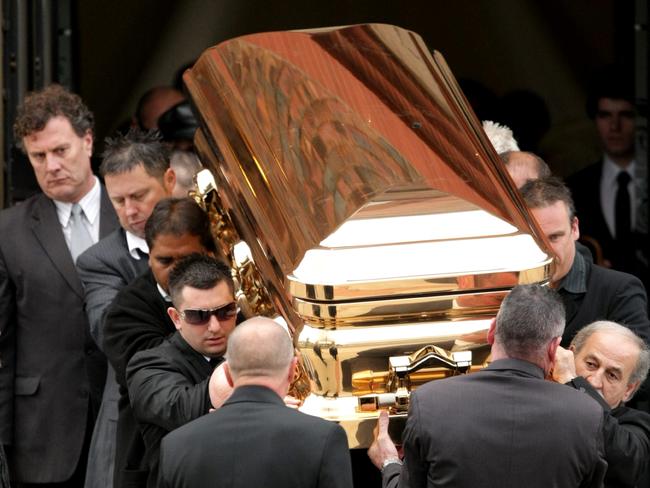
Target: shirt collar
x,y
89,203
611,170
575,280
135,244
163,293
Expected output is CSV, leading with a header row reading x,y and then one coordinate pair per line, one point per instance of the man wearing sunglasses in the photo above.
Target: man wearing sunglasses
x,y
168,385
138,320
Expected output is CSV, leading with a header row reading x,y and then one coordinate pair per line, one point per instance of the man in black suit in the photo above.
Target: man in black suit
x,y
136,171
609,362
610,195
168,385
51,372
589,292
254,439
504,425
138,320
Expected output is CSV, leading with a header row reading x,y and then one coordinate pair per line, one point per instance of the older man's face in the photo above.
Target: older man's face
x,y
607,361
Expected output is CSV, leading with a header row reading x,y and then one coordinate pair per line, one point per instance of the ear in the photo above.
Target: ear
x,y
551,349
88,142
575,229
630,390
226,370
292,369
175,316
169,180
492,331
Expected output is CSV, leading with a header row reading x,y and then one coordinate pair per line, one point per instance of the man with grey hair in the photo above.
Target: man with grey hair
x,y
608,362
249,440
500,426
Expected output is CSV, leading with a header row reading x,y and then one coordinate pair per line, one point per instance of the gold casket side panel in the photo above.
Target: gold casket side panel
x,y
312,126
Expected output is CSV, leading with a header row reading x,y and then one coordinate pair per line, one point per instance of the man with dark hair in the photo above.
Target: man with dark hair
x,y
168,385
460,430
246,441
589,292
609,362
136,170
51,372
606,193
138,320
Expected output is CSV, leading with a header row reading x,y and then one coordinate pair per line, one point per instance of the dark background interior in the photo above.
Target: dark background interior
x,y
121,48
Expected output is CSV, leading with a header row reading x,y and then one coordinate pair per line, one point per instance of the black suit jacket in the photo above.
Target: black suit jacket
x,y
585,189
255,440
611,295
137,320
627,439
52,373
168,387
501,426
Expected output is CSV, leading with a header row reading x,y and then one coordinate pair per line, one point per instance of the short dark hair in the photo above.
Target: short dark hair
x,y
546,191
613,81
529,317
179,216
39,107
198,271
123,153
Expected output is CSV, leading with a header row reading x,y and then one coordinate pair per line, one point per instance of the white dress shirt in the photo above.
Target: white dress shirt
x,y
90,204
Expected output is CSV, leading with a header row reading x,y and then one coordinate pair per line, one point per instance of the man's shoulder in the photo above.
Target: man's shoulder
x,y
160,353
15,214
608,278
582,176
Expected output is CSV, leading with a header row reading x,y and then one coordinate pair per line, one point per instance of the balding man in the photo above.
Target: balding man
x,y
610,364
254,439
524,166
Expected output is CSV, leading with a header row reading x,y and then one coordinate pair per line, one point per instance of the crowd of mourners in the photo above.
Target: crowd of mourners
x,y
126,362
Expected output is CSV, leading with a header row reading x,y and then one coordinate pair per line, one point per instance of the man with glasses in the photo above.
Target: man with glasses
x,y
168,385
138,320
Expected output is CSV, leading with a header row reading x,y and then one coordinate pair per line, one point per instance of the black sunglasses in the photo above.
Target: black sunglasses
x,y
201,316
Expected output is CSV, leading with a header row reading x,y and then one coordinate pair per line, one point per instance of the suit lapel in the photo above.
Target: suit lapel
x,y
198,363
47,229
107,219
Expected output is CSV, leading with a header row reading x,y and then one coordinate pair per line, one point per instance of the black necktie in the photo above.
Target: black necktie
x,y
622,207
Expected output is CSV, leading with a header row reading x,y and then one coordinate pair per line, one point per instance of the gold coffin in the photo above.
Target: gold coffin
x,y
359,201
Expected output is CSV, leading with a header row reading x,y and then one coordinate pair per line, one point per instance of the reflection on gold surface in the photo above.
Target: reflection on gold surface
x,y
362,202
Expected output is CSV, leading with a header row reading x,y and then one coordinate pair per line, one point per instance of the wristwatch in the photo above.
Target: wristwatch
x,y
392,460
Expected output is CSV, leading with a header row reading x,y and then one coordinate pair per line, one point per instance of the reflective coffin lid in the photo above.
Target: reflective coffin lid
x,y
357,197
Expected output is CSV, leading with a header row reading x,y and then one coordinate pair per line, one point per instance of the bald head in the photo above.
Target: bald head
x,y
524,166
259,348
154,103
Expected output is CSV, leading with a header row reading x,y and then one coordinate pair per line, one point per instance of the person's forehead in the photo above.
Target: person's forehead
x,y
614,105
216,296
132,178
614,348
551,213
56,128
170,242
